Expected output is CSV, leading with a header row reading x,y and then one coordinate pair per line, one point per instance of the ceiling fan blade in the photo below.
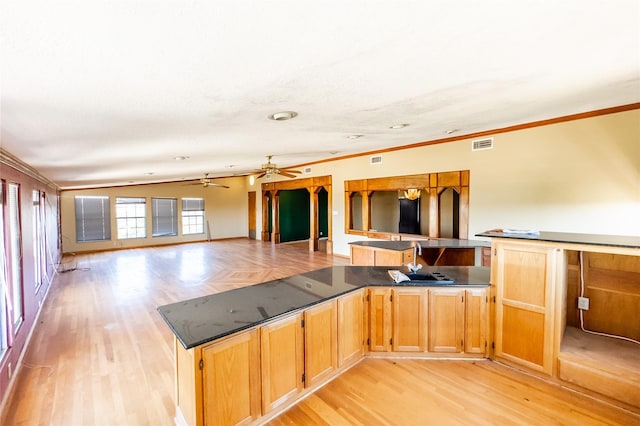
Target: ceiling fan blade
x,y
286,174
261,175
189,184
290,171
218,185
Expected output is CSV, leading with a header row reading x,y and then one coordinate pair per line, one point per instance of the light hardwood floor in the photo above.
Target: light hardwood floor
x,y
101,354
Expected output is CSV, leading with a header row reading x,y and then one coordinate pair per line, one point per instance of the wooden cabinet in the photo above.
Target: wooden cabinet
x,y
524,321
320,342
231,380
446,320
476,322
397,319
379,319
409,306
351,327
436,319
219,383
373,256
254,373
282,361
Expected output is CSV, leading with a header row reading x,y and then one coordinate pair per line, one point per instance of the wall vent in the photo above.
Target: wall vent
x,y
480,144
306,170
377,159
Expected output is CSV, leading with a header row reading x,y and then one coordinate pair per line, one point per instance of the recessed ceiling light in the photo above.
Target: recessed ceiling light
x,y
283,115
399,126
450,131
333,152
180,157
231,166
148,173
354,136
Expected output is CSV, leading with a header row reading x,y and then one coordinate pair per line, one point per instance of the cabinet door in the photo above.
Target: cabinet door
x,y
524,309
409,319
524,278
476,321
282,361
362,256
384,257
320,342
446,320
350,328
231,380
379,319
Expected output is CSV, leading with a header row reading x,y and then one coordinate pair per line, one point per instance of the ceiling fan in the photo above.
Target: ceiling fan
x,y
206,182
270,168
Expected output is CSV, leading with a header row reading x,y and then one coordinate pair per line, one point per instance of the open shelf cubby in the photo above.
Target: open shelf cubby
x,y
602,364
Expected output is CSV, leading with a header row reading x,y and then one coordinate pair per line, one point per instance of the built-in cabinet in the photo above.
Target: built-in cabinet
x,y
525,276
282,361
320,342
437,320
477,319
253,374
374,256
219,383
541,322
369,255
446,320
409,331
352,327
232,394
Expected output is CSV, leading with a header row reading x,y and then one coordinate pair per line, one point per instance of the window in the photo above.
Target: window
x,y
93,219
192,216
4,327
165,217
131,216
39,239
15,256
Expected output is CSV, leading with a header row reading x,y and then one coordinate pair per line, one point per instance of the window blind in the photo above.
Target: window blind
x,y
93,219
165,217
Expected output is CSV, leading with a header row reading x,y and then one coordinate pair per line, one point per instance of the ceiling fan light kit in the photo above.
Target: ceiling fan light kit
x,y
206,182
268,169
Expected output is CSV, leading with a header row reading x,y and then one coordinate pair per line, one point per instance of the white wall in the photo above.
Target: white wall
x,y
578,176
226,211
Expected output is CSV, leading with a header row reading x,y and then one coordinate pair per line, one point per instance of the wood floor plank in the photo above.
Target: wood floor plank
x,y
102,355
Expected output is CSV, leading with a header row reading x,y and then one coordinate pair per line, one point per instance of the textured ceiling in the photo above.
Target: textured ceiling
x,y
99,93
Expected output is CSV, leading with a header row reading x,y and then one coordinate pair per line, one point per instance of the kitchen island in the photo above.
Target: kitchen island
x,y
434,252
247,354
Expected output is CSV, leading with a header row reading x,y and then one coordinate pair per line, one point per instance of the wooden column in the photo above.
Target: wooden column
x,y
330,219
366,210
313,218
265,215
275,217
434,216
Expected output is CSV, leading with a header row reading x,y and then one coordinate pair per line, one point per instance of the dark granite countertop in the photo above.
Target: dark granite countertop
x,y
426,244
207,318
570,238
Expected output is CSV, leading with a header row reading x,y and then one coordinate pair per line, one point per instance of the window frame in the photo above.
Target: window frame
x,y
131,218
192,218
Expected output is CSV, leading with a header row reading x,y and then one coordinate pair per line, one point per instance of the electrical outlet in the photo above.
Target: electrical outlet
x,y
583,303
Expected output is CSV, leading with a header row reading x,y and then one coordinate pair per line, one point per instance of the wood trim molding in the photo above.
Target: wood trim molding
x,y
9,160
